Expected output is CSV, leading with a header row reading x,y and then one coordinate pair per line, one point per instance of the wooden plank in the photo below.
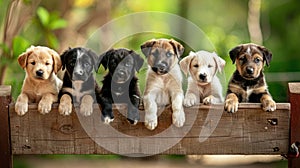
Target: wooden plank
x,y
208,130
294,98
5,148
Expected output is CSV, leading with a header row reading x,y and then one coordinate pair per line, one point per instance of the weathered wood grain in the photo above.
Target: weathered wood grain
x,y
5,149
208,130
294,98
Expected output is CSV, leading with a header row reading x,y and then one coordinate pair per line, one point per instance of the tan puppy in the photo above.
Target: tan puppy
x,y
163,81
203,84
41,85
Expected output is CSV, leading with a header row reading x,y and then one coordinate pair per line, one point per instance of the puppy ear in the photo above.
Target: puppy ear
x,y
57,61
96,60
178,48
266,54
104,58
146,47
233,53
219,62
138,60
185,62
63,58
22,59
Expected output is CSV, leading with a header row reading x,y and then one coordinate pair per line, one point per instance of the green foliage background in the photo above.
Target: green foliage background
x,y
224,22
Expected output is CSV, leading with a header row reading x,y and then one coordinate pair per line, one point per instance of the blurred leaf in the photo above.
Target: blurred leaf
x,y
52,41
4,48
19,45
43,15
58,24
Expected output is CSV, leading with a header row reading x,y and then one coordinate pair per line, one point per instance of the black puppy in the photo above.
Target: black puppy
x,y
79,84
120,84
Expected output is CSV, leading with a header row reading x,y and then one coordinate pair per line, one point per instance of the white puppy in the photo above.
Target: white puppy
x,y
203,84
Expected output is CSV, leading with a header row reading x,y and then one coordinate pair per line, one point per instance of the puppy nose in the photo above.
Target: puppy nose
x,y
39,73
203,76
121,72
162,66
79,72
250,70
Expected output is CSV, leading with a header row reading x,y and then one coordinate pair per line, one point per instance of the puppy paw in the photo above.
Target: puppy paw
x,y
151,120
268,105
86,109
231,105
65,105
151,124
133,115
86,106
209,100
178,118
189,100
107,120
21,108
132,121
44,106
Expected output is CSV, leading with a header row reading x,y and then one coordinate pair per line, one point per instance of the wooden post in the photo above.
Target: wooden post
x,y
5,143
294,98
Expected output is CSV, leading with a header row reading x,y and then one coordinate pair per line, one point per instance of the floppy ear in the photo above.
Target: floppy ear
x,y
57,61
219,61
266,54
146,47
178,48
105,58
22,59
63,58
138,60
233,53
185,62
96,60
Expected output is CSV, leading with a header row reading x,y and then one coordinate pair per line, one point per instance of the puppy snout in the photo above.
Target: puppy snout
x,y
78,73
121,73
203,76
39,73
162,66
250,70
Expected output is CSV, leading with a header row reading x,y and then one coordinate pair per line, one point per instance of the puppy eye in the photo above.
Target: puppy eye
x,y
155,53
196,66
32,63
242,60
257,60
72,64
209,66
169,54
86,64
47,63
127,63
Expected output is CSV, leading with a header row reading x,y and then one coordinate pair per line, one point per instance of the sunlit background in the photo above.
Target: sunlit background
x,y
60,24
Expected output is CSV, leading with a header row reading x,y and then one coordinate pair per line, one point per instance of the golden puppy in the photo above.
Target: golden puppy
x,y
203,84
41,85
163,81
248,83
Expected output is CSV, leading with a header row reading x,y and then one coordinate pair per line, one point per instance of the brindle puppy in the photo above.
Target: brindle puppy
x,y
248,82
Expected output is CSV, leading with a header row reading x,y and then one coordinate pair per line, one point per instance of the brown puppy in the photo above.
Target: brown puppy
x,y
163,81
41,85
248,82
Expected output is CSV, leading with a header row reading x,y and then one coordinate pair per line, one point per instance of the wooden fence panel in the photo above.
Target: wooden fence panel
x,y
5,145
208,130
